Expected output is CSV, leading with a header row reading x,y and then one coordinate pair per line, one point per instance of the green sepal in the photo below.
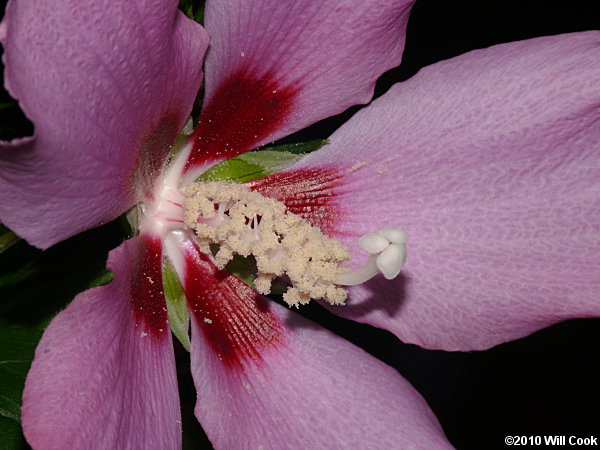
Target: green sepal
x,y
179,316
233,170
249,166
105,277
258,164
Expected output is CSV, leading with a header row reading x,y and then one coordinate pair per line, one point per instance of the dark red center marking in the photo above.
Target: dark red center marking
x,y
151,155
146,290
244,110
309,193
234,318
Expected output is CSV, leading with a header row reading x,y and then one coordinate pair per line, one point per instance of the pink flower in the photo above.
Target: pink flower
x,y
488,160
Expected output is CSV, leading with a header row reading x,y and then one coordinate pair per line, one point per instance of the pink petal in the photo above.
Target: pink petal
x,y
108,88
103,376
490,162
276,380
276,67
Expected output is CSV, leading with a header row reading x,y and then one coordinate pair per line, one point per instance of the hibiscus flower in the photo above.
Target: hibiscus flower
x,y
492,157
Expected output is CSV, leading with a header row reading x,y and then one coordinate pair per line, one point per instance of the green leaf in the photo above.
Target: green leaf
x,y
187,7
17,348
199,16
194,9
179,316
18,276
35,284
7,105
244,268
7,237
11,437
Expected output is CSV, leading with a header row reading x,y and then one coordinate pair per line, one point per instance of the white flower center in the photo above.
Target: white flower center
x,y
243,222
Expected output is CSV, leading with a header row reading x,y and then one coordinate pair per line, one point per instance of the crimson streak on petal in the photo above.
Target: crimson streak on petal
x,y
146,290
308,193
244,110
235,320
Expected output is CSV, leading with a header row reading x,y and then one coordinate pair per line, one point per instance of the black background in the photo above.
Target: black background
x,y
546,384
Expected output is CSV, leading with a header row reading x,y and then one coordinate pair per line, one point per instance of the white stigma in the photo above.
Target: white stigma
x,y
388,254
